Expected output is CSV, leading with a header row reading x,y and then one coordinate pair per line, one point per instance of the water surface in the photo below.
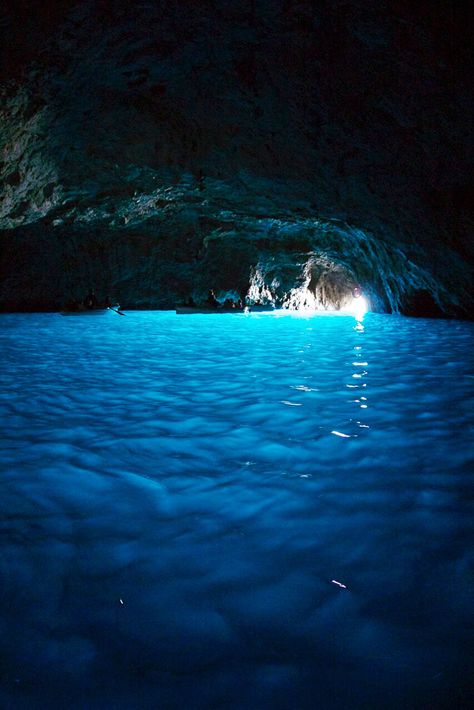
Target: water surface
x,y
232,511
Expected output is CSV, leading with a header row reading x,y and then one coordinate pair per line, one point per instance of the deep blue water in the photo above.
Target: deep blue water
x,y
182,498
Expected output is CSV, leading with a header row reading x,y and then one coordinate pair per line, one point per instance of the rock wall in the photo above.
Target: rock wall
x,y
157,149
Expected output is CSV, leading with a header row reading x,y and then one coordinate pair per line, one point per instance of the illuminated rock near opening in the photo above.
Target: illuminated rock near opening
x,y
265,148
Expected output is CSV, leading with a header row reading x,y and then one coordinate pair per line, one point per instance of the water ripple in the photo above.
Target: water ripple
x,y
190,502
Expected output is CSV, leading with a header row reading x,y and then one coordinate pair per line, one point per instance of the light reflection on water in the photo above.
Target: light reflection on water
x,y
239,512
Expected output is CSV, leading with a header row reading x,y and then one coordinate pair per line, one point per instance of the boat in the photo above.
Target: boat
x,y
86,312
188,310
99,311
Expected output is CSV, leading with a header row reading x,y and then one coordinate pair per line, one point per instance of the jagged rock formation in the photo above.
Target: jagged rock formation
x,y
286,150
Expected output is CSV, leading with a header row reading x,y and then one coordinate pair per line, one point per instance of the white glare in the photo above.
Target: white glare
x,y
358,307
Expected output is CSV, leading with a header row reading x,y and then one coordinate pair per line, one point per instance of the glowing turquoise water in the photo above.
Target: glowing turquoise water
x,y
183,497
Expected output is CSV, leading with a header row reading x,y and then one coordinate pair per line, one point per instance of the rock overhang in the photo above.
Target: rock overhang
x,y
116,153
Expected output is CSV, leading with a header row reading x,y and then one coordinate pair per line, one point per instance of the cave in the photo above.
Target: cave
x,y
145,148
236,341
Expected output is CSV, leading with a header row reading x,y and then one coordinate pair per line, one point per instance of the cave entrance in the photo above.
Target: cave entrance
x,y
305,282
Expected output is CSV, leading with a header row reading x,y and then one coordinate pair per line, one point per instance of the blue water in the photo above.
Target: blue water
x,y
236,512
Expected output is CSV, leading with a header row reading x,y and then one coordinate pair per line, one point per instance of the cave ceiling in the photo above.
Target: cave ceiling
x,y
159,149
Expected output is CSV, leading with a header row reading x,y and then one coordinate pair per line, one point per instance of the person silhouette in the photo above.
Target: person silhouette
x,y
211,299
90,300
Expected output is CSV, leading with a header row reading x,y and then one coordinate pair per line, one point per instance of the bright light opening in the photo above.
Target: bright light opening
x,y
358,307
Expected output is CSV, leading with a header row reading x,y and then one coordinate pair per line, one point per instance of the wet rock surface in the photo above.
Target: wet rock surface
x,y
268,148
